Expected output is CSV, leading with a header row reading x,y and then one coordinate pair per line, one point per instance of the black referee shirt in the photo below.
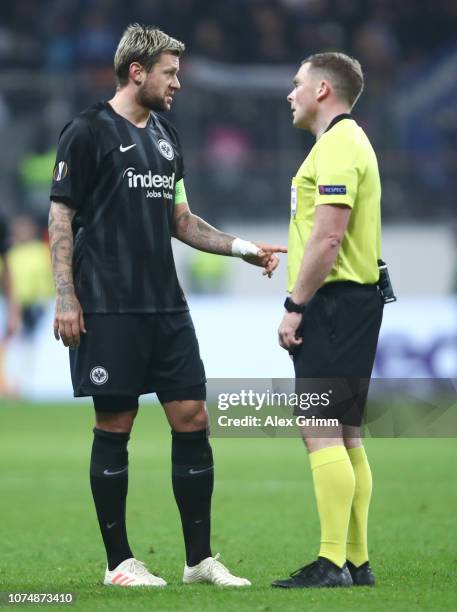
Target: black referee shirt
x,y
121,181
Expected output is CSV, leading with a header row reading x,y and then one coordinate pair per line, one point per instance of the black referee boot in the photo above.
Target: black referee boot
x,y
320,573
362,575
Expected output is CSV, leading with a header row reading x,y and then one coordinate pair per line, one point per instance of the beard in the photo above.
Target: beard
x,y
148,100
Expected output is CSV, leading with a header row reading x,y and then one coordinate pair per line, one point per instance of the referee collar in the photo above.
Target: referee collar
x,y
337,119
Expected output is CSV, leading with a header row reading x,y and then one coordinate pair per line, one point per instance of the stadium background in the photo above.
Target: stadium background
x,y
241,150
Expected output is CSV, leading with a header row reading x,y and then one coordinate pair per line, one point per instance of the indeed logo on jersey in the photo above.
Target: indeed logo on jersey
x,y
149,180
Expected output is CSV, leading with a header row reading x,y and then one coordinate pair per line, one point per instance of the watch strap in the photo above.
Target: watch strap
x,y
291,306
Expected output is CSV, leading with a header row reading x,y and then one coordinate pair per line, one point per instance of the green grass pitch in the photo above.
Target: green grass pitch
x,y
265,522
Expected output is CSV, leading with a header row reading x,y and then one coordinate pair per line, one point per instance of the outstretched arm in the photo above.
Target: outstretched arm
x,y
69,320
196,232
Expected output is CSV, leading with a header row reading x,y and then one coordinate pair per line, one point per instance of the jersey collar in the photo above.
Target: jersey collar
x,y
337,119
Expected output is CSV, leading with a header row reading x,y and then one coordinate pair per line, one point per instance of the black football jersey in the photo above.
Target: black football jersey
x,y
121,181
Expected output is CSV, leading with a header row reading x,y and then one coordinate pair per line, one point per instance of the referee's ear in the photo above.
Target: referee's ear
x,y
324,90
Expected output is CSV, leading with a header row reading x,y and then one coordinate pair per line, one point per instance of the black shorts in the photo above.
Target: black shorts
x,y
340,330
128,355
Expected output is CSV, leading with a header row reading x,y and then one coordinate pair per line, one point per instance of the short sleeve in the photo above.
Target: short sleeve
x,y
180,157
337,172
172,133
75,164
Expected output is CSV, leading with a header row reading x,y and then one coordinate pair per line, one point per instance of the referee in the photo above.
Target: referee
x,y
118,196
333,315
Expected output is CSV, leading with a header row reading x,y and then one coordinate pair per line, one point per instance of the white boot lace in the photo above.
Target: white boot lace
x,y
137,567
217,568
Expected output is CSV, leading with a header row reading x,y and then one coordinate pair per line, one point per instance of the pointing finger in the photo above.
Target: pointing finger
x,y
272,248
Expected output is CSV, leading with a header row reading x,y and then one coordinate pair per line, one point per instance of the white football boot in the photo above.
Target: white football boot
x,y
212,571
132,573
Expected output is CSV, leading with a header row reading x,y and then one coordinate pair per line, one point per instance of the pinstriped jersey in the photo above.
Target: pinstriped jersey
x,y
121,181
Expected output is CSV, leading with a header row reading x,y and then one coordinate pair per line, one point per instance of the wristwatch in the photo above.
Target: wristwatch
x,y
291,306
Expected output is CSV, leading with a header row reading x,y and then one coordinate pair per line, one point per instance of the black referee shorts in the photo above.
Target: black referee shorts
x,y
126,355
340,330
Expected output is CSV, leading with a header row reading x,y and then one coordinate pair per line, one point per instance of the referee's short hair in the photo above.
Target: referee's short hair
x,y
344,72
142,44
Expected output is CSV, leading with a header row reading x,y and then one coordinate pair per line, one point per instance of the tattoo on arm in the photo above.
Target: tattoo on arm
x,y
199,234
61,243
181,224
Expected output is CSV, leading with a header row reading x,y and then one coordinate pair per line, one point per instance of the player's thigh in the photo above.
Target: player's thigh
x,y
333,365
185,407
176,367
177,372
115,413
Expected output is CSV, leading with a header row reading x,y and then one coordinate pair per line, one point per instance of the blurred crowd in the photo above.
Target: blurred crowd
x,y
66,34
56,59
26,286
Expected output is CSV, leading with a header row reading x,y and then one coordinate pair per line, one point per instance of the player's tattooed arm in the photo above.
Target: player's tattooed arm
x,y
68,321
199,234
196,232
61,243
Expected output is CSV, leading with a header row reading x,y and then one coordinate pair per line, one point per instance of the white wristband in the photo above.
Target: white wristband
x,y
244,247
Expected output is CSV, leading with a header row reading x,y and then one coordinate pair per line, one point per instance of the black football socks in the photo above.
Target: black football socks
x,y
109,484
193,479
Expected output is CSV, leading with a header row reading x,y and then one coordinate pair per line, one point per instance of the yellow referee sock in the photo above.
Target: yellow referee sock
x,y
357,544
334,484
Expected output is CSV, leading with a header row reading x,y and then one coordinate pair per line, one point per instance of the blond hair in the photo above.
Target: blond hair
x,y
344,72
142,44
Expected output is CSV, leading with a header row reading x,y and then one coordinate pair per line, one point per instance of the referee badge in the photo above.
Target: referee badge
x,y
293,201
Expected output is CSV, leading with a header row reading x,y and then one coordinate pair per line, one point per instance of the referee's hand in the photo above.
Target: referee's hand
x,y
69,320
287,332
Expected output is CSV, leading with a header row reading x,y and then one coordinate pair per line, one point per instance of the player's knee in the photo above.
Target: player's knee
x,y
195,421
200,420
191,417
115,413
351,436
114,422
